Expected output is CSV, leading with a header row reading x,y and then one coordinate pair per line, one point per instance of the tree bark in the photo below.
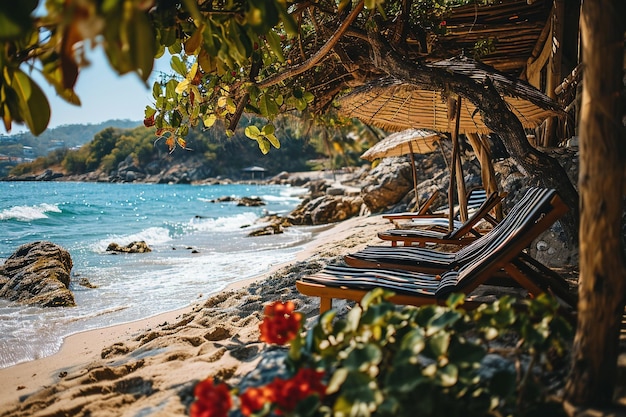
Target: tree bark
x,y
602,282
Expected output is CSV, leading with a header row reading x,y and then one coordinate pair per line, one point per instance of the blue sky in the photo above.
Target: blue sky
x,y
104,95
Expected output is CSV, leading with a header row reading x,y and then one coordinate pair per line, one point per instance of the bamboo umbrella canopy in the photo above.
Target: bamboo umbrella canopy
x,y
396,105
408,141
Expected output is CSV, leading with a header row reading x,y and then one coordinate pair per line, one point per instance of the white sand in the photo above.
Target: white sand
x,y
149,367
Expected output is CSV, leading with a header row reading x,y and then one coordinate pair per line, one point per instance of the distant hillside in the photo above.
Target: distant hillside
x,y
66,136
118,154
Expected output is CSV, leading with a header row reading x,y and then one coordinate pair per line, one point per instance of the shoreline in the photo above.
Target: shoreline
x,y
83,353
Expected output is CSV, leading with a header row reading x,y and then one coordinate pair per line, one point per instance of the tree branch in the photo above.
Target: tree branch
x,y
319,55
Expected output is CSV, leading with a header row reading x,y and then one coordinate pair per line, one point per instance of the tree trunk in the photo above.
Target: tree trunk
x,y
602,282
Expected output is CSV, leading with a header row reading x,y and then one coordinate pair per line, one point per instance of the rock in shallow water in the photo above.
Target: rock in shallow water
x,y
133,247
38,273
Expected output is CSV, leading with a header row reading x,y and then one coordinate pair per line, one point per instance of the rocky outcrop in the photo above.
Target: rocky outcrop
x,y
326,209
388,183
242,201
133,247
250,202
38,273
276,225
47,175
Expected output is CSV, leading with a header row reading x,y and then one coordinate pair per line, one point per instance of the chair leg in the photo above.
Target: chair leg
x,y
523,280
326,303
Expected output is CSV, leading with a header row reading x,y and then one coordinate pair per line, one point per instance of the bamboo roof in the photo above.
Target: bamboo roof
x,y
396,105
513,26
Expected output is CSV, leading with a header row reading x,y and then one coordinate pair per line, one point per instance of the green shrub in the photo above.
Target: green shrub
x,y
384,360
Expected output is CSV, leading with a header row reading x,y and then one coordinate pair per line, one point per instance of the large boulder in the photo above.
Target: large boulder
x,y
388,183
38,273
326,209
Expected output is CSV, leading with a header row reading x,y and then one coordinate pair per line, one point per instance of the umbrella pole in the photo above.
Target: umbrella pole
x,y
453,165
417,201
460,180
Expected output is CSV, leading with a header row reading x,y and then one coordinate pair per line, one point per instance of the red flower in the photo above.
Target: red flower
x,y
288,393
253,399
443,23
211,400
280,325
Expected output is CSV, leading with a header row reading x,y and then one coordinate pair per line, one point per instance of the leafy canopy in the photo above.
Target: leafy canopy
x,y
266,57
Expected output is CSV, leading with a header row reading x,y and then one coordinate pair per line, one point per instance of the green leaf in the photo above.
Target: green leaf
x,y
412,344
448,375
374,297
361,359
175,48
273,140
274,42
209,120
170,91
438,344
230,105
175,119
34,106
149,112
156,90
353,318
455,300
268,129
337,379
308,406
357,395
300,104
168,37
448,318
182,86
178,66
253,132
263,105
405,378
264,145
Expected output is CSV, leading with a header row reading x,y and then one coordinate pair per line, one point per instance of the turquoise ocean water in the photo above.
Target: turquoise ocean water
x,y
173,219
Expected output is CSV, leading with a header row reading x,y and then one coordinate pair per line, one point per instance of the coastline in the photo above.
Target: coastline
x,y
160,358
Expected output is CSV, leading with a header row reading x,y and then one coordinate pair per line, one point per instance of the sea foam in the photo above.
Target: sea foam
x,y
29,213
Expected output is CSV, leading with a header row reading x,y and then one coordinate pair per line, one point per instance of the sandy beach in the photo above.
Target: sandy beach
x,y
150,367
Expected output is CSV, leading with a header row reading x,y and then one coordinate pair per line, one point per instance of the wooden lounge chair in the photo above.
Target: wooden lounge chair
x,y
430,260
501,251
475,198
423,211
465,232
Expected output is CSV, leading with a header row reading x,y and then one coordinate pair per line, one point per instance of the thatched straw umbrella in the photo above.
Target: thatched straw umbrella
x,y
408,141
396,105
